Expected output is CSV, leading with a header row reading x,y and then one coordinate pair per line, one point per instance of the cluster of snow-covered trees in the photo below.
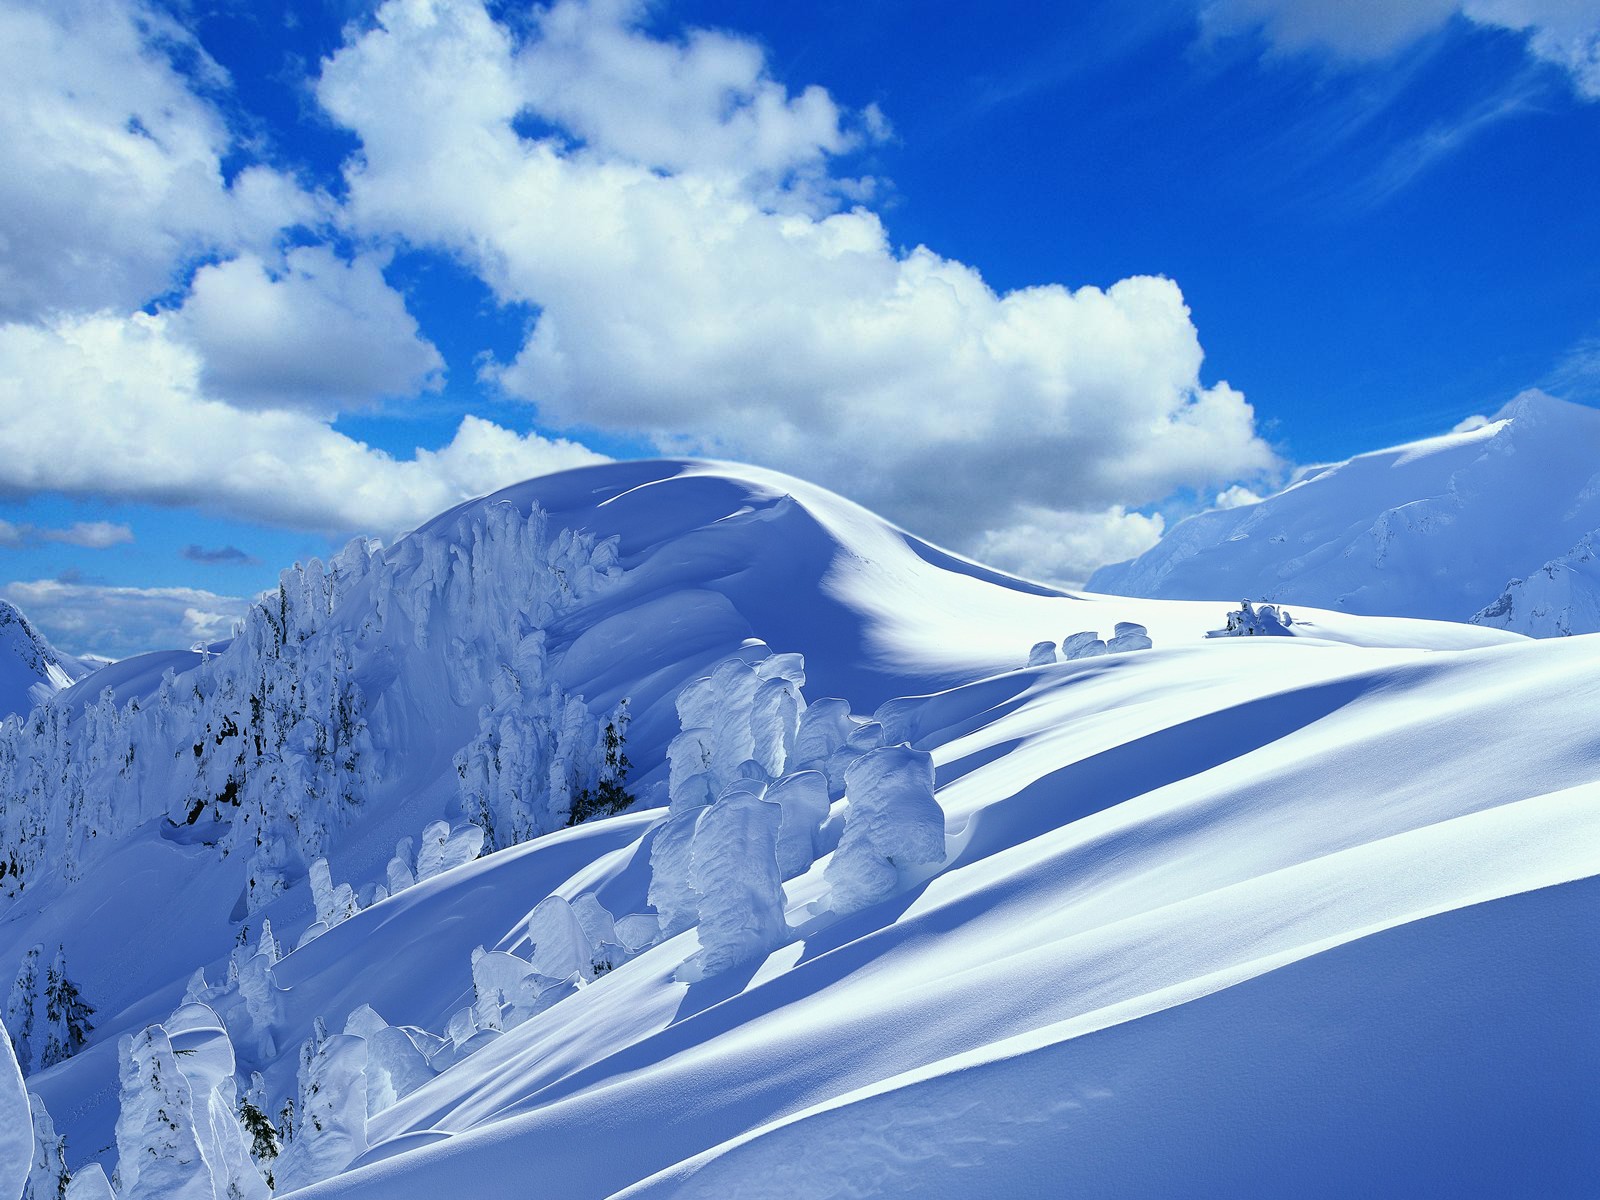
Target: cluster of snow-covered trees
x,y
1255,620
267,745
46,1017
753,777
260,747
761,786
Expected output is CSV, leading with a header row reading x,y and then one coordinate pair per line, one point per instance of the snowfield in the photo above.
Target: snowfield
x,y
908,902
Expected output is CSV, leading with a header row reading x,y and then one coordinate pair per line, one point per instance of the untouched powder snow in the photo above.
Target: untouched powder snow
x,y
903,905
1430,529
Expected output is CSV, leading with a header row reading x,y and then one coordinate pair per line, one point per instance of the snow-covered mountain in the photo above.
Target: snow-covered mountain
x,y
1560,599
925,880
1430,529
31,669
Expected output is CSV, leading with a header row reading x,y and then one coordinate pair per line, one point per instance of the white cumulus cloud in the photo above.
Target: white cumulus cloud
x,y
1065,548
315,332
111,405
112,174
91,535
680,300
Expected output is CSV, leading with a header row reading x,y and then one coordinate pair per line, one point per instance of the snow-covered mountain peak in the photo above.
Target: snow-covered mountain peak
x,y
1430,529
31,669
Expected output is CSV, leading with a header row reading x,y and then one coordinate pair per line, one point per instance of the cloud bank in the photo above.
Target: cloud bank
x,y
705,268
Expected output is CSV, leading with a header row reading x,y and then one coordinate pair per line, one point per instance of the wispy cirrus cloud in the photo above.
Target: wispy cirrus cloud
x,y
1563,33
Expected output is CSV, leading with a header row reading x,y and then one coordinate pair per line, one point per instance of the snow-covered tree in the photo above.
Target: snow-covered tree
x,y
178,1130
22,1008
330,1127
66,1012
89,1182
158,1148
265,1140
16,1123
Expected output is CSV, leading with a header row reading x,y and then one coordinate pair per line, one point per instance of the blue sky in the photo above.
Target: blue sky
x,y
1033,280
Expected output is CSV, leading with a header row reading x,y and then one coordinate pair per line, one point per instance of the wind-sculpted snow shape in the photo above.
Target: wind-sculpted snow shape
x,y
893,825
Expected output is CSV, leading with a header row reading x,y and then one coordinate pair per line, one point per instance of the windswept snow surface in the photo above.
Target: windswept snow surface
x,y
1304,915
1430,529
31,669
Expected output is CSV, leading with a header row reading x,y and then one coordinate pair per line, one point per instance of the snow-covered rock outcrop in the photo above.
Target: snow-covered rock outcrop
x,y
1428,529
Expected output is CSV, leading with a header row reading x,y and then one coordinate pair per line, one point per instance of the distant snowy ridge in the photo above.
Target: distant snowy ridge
x,y
1560,599
31,669
1429,529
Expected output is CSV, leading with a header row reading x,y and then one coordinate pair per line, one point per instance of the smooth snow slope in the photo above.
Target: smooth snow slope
x,y
1133,838
31,669
1430,529
1217,919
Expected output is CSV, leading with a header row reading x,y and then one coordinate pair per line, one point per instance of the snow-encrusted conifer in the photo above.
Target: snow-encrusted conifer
x,y
802,797
22,1008
66,1012
89,1182
331,1113
265,1141
158,1149
16,1123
